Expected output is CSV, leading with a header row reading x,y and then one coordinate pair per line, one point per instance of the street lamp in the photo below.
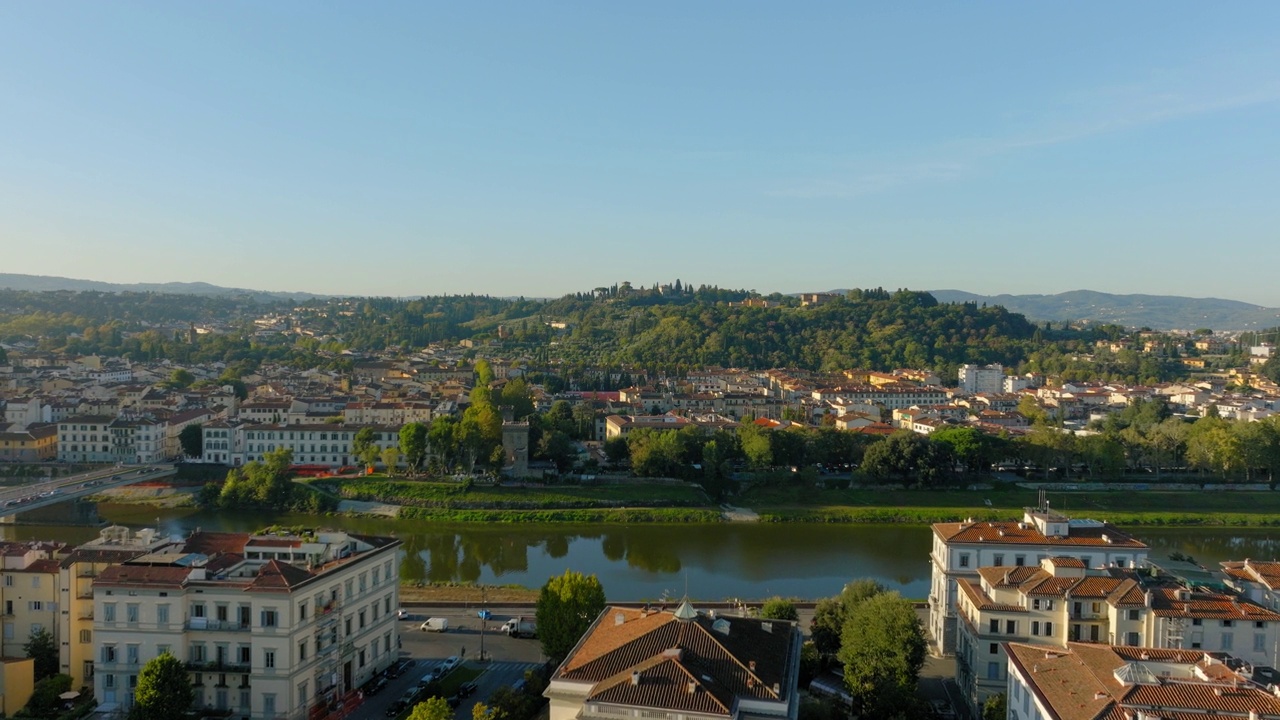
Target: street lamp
x,y
484,616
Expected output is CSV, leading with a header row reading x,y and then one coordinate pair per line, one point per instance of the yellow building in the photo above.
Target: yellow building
x,y
28,593
17,682
35,444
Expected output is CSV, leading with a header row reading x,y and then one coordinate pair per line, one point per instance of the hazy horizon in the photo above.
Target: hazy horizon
x,y
532,150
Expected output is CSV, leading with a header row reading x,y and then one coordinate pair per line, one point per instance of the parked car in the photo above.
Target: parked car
x,y
467,689
374,686
451,662
402,614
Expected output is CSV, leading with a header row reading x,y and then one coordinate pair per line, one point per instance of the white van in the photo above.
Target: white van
x,y
435,624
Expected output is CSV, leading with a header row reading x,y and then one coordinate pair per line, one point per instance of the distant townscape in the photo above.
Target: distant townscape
x,y
623,404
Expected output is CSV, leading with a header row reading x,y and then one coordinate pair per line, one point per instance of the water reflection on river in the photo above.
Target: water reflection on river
x,y
642,561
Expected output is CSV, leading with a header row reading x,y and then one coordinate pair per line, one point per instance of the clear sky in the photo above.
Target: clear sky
x,y
537,148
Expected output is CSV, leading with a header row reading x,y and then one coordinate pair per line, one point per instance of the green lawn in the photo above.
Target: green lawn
x,y
1121,507
446,495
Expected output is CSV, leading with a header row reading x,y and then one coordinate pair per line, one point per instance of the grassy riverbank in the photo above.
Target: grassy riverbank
x,y
458,496
1227,508
617,516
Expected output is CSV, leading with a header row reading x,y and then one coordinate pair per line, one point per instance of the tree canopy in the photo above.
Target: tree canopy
x,y
164,690
567,605
883,649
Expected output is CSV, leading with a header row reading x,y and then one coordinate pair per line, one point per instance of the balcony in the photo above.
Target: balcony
x,y
204,623
226,666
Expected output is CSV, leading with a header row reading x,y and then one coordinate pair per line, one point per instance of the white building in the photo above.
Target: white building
x,y
982,379
959,549
85,438
269,626
1085,680
138,440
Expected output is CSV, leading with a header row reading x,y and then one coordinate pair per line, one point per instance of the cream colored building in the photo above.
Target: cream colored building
x,y
270,626
1061,601
959,549
77,572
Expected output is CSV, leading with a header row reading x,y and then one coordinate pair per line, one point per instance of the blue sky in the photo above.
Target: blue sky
x,y
541,148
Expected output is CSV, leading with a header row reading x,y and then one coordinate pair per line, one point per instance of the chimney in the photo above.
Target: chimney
x,y
693,687
619,618
777,689
752,665
635,677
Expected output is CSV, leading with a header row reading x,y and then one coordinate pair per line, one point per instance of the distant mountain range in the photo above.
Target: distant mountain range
x,y
41,283
1159,312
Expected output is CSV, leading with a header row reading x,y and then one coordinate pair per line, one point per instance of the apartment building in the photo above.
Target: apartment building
x,y
137,440
270,626
1258,580
981,379
28,592
38,443
86,439
959,549
76,572
1062,601
1098,681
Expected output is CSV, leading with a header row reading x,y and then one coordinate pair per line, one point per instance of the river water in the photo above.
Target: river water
x,y
644,562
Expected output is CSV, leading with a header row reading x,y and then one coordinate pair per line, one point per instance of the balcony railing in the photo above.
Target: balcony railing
x,y
199,623
226,666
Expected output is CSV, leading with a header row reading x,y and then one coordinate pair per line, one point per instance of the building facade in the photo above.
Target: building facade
x,y
959,549
269,626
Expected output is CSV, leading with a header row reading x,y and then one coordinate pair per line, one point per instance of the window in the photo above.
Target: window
x,y
131,654
35,605
364,581
268,658
8,631
1134,613
1121,561
302,692
131,612
377,575
35,581
108,653
1197,621
269,618
86,637
268,704
1259,642
1228,623
1227,641
995,627
386,605
1035,627
109,681
348,624
302,610
8,581
109,612
302,650
1259,624
87,669
993,648
998,560
162,614
964,559
1131,639
1019,560
993,671
361,658
243,654
1087,560
1010,627
1048,629
197,610
164,650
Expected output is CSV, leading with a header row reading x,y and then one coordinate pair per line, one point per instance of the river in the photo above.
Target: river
x,y
644,562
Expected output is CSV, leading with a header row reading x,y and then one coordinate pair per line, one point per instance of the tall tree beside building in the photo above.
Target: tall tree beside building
x,y
192,440
883,650
567,605
777,608
364,445
164,690
413,444
42,648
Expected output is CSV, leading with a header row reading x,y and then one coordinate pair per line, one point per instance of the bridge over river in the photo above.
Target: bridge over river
x,y
15,501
